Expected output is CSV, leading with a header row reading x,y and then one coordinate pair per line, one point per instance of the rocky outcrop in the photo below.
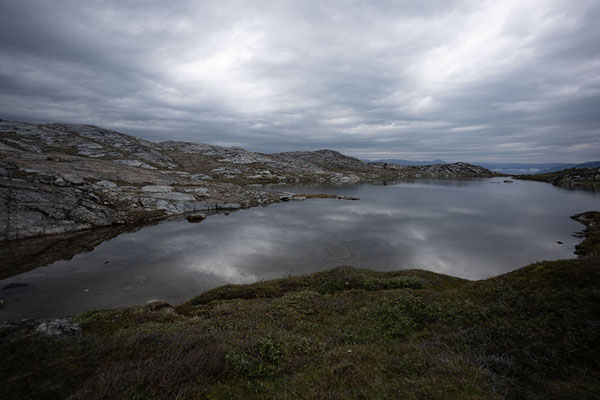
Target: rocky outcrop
x,y
63,328
437,171
573,178
590,247
59,178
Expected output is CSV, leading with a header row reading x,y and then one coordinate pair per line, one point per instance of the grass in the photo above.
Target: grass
x,y
344,333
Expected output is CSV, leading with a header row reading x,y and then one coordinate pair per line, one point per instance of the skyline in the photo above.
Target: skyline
x,y
461,81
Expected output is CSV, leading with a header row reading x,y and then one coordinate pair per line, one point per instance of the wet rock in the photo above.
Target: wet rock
x,y
228,206
508,181
196,217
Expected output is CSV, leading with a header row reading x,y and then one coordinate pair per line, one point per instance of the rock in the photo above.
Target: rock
x,y
228,206
106,184
201,177
45,185
156,305
59,327
508,181
60,182
588,218
157,189
135,163
175,196
73,179
198,191
196,217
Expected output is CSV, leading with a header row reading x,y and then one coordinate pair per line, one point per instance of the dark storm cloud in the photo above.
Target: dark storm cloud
x,y
459,80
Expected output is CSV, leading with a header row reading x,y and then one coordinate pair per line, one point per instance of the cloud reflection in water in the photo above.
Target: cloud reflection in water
x,y
469,229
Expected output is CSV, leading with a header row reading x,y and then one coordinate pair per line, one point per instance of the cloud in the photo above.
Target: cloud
x,y
458,80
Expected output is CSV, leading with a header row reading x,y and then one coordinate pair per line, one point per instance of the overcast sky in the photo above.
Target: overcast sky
x,y
458,80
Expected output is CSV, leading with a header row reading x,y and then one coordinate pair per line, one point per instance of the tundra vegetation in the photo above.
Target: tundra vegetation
x,y
339,334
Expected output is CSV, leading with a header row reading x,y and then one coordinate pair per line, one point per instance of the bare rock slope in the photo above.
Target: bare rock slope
x,y
57,178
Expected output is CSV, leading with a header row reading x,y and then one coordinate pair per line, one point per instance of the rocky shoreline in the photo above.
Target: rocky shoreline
x,y
572,178
60,178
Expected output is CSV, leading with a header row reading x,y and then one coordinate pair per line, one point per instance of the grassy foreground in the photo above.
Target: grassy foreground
x,y
339,334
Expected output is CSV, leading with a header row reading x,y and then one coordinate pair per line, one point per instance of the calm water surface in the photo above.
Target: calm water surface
x,y
472,229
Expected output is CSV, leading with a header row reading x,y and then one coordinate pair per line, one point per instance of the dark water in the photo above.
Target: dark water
x,y
472,229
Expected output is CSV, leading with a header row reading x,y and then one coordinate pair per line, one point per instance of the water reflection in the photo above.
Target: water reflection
x,y
470,229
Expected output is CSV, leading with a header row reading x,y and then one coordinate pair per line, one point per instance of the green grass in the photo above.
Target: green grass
x,y
339,334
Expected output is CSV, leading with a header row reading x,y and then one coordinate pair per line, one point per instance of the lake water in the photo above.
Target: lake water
x,y
472,229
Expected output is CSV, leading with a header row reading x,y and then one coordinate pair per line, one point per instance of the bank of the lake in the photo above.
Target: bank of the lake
x,y
342,333
472,229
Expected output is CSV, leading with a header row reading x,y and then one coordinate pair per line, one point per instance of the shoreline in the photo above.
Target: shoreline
x,y
345,331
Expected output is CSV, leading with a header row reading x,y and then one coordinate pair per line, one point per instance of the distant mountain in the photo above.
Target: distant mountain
x,y
524,168
506,168
534,168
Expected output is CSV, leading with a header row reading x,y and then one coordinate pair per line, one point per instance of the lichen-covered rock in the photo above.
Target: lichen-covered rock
x,y
62,327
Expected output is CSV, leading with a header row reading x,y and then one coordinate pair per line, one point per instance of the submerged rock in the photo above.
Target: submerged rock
x,y
196,217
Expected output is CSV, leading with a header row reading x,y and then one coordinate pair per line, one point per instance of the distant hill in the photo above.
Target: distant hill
x,y
505,168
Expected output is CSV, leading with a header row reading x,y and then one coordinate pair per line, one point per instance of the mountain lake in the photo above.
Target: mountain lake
x,y
474,229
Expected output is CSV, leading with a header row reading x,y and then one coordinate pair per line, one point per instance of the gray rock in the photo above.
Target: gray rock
x,y
157,189
175,196
106,184
228,206
59,327
60,182
135,163
73,179
201,191
201,177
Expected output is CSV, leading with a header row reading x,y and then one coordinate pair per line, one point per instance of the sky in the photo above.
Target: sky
x,y
503,80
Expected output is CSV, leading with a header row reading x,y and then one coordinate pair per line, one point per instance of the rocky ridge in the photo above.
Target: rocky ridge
x,y
58,178
586,178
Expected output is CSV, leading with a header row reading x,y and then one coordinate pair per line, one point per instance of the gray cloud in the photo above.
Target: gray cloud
x,y
458,80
